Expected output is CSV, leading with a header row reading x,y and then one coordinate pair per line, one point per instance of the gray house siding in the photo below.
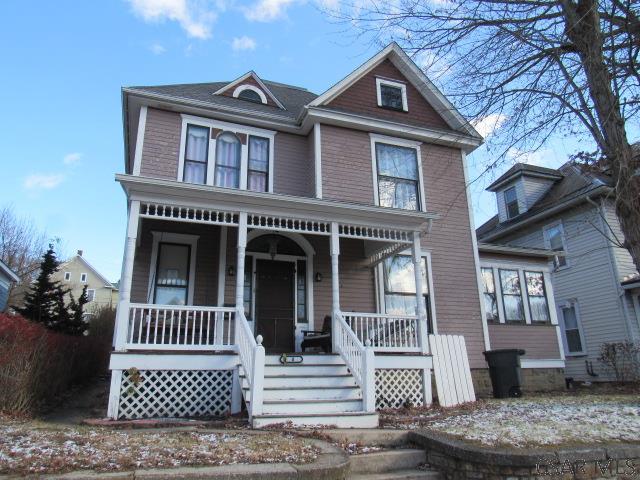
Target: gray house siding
x,y
589,279
4,295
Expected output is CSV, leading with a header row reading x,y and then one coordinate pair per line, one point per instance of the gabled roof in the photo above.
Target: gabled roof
x,y
292,98
415,75
575,185
104,279
8,272
250,74
520,169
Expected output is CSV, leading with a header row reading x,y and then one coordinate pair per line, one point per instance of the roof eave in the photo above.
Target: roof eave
x,y
500,182
522,251
10,273
545,213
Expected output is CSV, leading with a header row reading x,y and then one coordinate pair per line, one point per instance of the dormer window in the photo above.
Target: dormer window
x,y
511,202
391,94
250,93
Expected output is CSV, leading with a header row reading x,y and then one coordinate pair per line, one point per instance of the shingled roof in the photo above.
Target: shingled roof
x,y
524,169
574,181
292,98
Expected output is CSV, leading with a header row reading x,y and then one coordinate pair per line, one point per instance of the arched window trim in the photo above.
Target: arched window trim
x,y
241,88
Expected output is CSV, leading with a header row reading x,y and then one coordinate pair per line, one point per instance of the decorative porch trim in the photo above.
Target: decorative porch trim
x,y
165,211
170,361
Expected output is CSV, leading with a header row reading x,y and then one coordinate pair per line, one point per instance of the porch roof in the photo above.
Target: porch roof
x,y
286,207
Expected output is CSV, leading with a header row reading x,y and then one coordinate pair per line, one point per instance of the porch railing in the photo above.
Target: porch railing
x,y
252,358
359,359
386,333
173,327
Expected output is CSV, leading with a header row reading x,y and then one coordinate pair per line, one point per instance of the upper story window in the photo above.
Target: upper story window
x,y
226,155
397,174
391,94
511,202
250,93
554,239
67,276
196,153
489,290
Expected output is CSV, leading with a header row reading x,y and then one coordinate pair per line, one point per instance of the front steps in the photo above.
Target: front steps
x,y
402,463
318,391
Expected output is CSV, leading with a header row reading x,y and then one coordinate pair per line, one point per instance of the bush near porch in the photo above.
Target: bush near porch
x,y
37,365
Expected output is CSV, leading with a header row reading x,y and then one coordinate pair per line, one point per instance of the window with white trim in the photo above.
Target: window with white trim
x,y
67,276
91,295
511,202
83,278
171,285
490,299
391,94
397,176
573,337
537,297
226,155
554,239
250,93
511,295
399,285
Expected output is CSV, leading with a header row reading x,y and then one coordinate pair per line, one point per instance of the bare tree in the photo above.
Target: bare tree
x,y
21,246
538,68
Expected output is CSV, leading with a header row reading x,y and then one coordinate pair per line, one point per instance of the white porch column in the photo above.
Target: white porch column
x,y
122,314
421,311
242,245
335,281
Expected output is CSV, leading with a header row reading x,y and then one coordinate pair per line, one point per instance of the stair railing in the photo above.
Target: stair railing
x,y
359,358
251,353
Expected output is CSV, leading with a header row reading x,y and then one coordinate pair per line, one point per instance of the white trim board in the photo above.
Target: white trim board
x,y
241,88
166,361
142,125
542,363
317,153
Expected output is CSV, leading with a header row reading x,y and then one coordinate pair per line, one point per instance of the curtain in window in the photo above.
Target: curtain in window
x,y
195,157
172,274
490,302
511,296
227,161
398,176
257,177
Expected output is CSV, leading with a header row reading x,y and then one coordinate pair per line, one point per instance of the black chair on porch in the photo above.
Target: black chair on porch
x,y
318,339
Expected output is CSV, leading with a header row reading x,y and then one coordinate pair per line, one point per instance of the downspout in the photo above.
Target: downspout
x,y
614,269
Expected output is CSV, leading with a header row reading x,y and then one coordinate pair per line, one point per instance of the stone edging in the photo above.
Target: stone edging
x,y
454,457
332,464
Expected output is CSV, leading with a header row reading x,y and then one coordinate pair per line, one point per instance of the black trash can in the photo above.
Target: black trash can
x,y
504,369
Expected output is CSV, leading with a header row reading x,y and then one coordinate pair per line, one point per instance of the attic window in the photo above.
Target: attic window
x,y
250,93
391,94
511,202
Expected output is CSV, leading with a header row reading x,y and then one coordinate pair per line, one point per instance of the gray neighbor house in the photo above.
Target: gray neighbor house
x,y
596,285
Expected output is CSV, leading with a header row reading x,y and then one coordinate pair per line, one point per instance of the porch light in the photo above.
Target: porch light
x,y
231,271
318,277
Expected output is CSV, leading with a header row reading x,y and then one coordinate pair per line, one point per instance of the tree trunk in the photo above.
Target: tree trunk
x,y
582,26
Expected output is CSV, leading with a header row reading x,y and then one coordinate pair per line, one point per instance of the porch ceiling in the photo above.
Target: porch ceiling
x,y
272,211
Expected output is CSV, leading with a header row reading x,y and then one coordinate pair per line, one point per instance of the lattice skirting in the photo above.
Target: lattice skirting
x,y
399,387
175,393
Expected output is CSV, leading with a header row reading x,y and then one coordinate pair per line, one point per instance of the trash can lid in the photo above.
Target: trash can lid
x,y
517,351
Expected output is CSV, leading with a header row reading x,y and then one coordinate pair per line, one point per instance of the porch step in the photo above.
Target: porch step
x,y
428,474
307,359
350,392
302,369
315,405
337,420
297,381
387,461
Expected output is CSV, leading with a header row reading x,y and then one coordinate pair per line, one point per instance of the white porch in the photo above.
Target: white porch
x,y
193,338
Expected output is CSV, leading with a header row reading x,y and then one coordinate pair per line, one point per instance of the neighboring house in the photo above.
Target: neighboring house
x,y
7,277
570,210
77,273
259,209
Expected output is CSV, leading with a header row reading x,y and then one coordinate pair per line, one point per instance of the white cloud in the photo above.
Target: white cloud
x,y
486,126
243,43
72,158
157,49
195,17
44,181
267,10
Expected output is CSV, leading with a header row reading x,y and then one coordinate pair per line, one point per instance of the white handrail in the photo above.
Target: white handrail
x,y
179,327
251,353
386,332
359,359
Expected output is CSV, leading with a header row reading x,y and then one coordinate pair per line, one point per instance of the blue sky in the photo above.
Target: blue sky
x,y
63,64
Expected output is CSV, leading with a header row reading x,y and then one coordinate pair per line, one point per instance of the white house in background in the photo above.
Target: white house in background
x,y
77,273
7,277
596,284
